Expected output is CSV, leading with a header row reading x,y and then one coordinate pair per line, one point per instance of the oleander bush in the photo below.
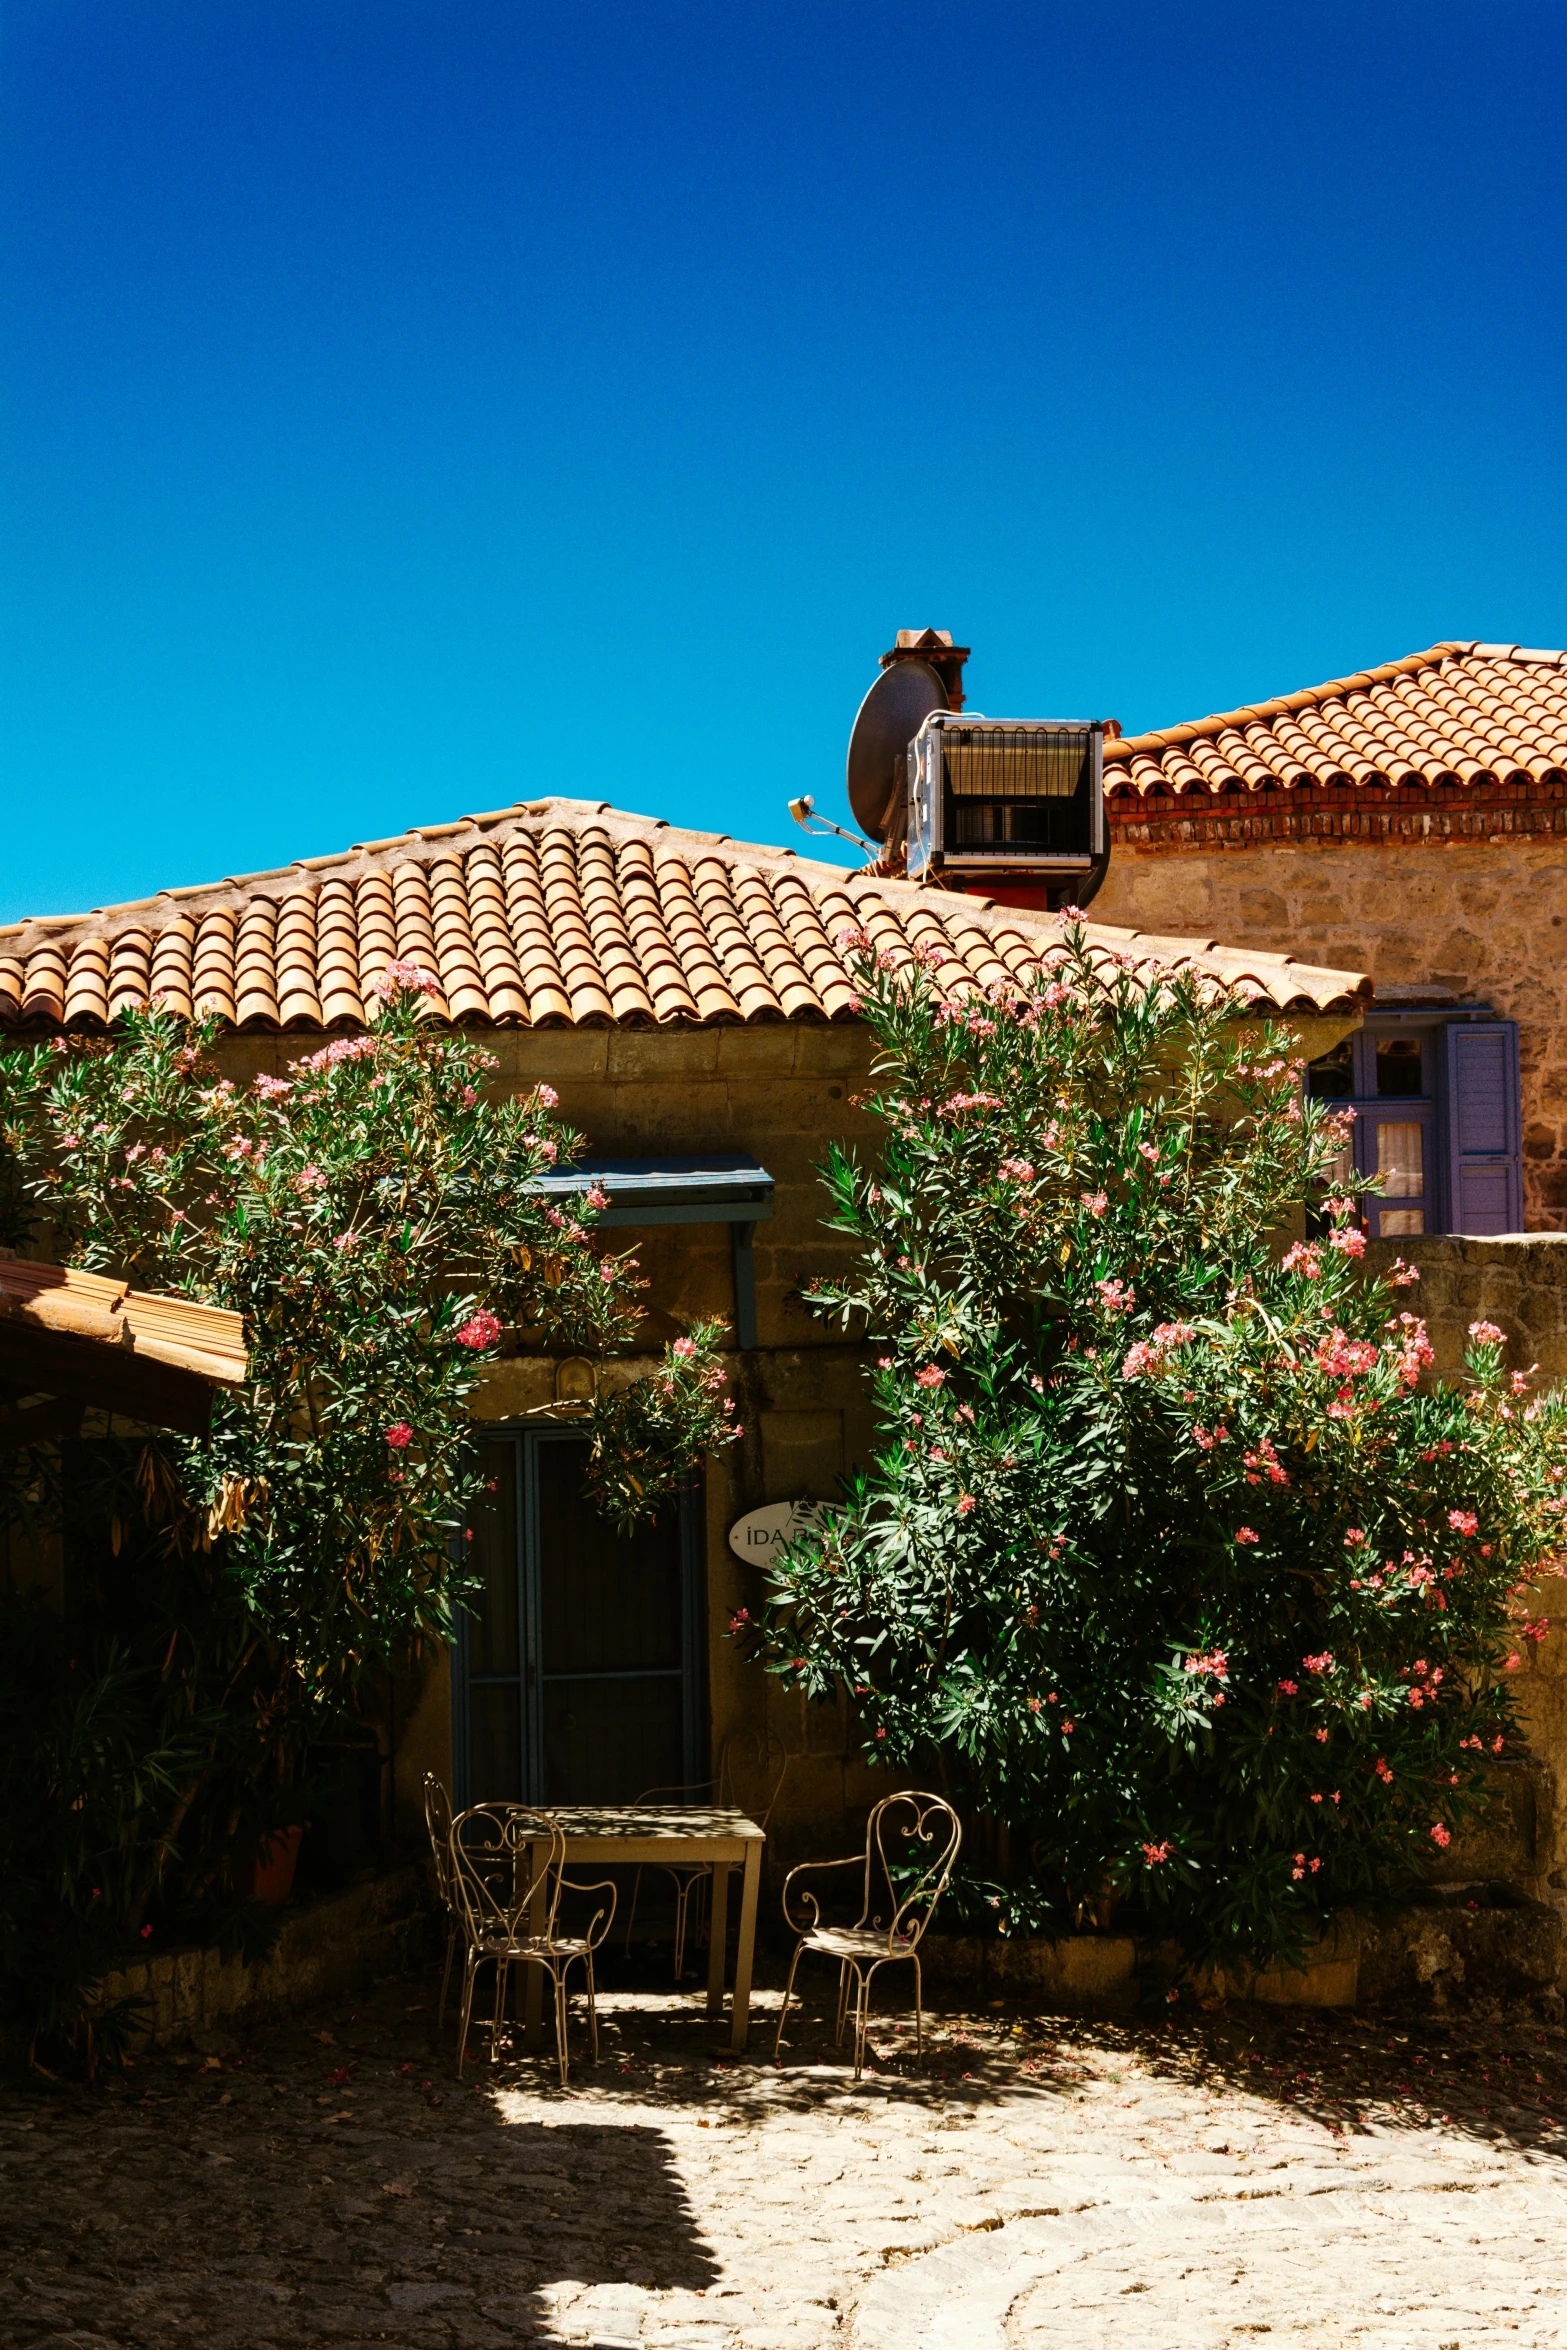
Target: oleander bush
x,y
373,1214
1171,1562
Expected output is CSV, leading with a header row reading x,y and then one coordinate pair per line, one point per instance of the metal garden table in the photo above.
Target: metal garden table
x,y
679,1835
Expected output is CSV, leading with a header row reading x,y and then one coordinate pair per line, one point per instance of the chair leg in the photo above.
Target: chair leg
x,y
843,2003
682,1896
560,2022
593,2012
500,2010
783,2016
631,1917
919,2010
470,1969
862,1989
446,1977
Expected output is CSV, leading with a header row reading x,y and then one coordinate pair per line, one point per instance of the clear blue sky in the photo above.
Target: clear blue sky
x,y
410,406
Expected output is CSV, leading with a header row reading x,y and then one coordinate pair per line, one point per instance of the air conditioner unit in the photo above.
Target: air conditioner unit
x,y
994,800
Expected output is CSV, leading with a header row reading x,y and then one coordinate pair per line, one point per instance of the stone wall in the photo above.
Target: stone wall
x,y
1518,1281
1485,917
339,1942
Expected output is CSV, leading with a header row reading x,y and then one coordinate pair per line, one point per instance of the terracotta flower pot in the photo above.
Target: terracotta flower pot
x,y
271,1877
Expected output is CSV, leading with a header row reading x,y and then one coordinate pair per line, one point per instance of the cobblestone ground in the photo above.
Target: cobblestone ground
x,y
1202,2183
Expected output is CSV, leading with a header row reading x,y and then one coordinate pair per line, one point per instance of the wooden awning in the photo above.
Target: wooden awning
x,y
76,1339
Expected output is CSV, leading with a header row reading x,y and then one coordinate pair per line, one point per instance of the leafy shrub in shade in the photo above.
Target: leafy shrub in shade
x,y
373,1213
1170,1559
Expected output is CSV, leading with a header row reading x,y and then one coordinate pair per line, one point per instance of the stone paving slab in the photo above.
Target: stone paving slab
x,y
1210,2182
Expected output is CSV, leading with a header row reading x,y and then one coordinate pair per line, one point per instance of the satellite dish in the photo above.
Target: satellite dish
x,y
891,715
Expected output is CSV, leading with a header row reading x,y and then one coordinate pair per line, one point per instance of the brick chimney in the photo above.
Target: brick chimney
x,y
935,646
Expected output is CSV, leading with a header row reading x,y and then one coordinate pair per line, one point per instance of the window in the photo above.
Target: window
x,y
578,1666
1448,1156
1398,1065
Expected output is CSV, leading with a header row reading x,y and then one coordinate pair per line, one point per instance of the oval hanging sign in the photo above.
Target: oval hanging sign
x,y
762,1533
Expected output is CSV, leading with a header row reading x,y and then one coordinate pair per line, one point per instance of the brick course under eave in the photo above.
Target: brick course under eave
x,y
1366,813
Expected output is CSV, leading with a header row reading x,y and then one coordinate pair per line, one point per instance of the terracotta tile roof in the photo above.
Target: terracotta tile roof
x,y
556,913
1468,714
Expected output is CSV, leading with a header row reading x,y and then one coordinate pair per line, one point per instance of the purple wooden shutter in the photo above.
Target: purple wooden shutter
x,y
1484,1163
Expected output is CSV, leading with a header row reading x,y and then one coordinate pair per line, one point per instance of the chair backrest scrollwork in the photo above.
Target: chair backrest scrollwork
x,y
501,1857
911,1843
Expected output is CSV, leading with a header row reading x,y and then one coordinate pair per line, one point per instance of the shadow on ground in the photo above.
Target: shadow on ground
x,y
327,2179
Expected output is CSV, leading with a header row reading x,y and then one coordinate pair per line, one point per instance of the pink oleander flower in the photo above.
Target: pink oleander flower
x,y
309,1179
1319,1664
1246,1534
1304,1258
399,1435
1463,1521
1349,1240
346,1241
931,1376
1018,1170
480,1330
1487,1334
1440,1834
1095,1202
965,1504
547,1095
1354,1539
1289,1688
270,1087
468,1097
404,975
684,1346
1153,1854
342,1048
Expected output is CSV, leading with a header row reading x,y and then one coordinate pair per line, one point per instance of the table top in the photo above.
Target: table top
x,y
653,1823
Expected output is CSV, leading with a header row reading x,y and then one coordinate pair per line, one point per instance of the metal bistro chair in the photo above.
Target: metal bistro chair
x,y
438,1820
750,1759
503,1858
899,1896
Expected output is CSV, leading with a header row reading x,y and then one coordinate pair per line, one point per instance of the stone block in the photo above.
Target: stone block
x,y
1459,1943
1330,1976
1514,1841
769,1050
555,1056
636,1053
1073,1974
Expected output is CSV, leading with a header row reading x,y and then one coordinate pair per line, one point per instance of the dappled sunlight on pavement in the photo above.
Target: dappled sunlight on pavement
x,y
1200,2181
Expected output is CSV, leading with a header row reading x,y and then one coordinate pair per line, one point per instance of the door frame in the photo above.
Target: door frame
x,y
527,1441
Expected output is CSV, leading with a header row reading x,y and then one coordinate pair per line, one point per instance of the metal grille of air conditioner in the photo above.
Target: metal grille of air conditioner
x,y
1023,788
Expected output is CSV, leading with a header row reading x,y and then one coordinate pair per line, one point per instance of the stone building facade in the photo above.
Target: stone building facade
x,y
688,997
1410,821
